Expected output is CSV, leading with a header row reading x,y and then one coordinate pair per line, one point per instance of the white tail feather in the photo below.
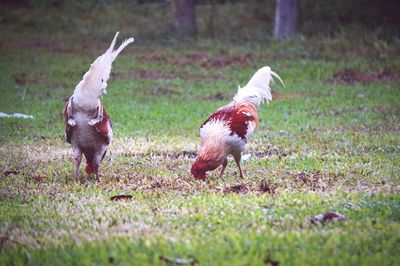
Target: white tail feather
x,y
121,47
257,89
111,48
94,82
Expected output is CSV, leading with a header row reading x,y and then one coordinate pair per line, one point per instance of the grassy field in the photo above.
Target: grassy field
x,y
328,142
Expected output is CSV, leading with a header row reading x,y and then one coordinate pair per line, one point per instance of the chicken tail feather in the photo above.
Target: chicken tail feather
x,y
95,79
121,47
258,88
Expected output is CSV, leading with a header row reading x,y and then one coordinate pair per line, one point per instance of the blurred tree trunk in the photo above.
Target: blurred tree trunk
x,y
286,18
184,17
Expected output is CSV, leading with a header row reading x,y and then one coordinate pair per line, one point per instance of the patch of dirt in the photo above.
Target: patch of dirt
x,y
143,74
219,96
201,77
388,109
41,80
165,155
201,59
212,62
274,152
22,79
152,57
267,187
306,178
238,188
39,178
351,76
61,85
315,180
56,46
160,91
190,59
224,61
116,75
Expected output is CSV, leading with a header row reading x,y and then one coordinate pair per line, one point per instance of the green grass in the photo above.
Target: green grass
x,y
210,227
321,145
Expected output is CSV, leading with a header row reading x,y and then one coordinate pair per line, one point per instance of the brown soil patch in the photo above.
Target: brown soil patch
x,y
202,77
165,155
353,76
143,74
160,91
22,79
271,153
152,57
56,46
238,188
192,154
267,186
40,178
225,61
315,180
201,59
219,96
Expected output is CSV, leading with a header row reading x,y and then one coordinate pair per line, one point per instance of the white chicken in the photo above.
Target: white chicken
x,y
88,127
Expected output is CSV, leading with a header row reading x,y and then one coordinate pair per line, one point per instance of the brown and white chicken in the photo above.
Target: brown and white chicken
x,y
88,126
227,130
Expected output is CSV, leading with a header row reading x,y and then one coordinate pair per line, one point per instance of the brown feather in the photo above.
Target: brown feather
x,y
104,126
237,116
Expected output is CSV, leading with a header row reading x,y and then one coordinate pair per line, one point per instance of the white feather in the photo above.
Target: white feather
x,y
214,129
94,83
121,47
216,133
257,89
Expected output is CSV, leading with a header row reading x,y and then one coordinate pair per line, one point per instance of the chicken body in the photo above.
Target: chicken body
x,y
89,130
227,130
88,126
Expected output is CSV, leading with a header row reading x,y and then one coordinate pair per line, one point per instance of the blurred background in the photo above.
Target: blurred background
x,y
222,20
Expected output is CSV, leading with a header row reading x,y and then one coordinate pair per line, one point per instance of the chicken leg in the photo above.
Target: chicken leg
x,y
78,159
238,157
224,164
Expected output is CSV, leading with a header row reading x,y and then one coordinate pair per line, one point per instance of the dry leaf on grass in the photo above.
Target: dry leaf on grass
x,y
121,197
11,172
